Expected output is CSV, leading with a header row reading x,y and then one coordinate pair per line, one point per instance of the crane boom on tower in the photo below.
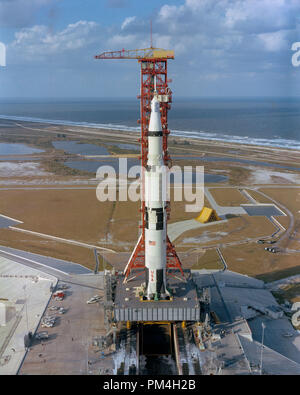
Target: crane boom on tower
x,y
145,53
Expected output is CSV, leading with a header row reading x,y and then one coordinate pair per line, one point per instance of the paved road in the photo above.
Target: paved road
x,y
288,231
223,210
6,222
49,265
177,228
68,241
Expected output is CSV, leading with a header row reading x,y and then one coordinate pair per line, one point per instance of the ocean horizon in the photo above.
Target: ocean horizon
x,y
272,122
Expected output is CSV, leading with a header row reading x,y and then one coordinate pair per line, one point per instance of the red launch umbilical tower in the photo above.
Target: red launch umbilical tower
x,y
154,76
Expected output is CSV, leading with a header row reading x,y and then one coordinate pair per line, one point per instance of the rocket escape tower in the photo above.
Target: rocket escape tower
x,y
154,77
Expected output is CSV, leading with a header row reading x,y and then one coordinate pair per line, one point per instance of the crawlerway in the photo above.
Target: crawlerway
x,y
120,385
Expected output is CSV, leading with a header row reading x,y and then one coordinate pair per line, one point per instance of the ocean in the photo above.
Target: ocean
x,y
269,122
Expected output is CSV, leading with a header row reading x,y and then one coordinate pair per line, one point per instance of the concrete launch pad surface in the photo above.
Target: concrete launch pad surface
x,y
25,292
69,349
230,294
267,210
184,306
45,263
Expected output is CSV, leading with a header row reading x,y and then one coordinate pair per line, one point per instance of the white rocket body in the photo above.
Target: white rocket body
x,y
155,209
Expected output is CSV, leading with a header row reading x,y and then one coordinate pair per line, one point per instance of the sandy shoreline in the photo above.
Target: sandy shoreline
x,y
231,159
133,135
230,144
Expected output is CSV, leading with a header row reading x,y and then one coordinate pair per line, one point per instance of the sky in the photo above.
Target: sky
x,y
223,48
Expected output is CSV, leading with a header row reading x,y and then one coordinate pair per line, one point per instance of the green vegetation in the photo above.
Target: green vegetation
x,y
279,274
290,292
58,167
43,142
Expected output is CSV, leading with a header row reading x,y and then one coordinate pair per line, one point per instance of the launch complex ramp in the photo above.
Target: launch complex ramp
x,y
207,215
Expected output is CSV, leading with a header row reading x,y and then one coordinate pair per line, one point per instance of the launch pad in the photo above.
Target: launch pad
x,y
130,306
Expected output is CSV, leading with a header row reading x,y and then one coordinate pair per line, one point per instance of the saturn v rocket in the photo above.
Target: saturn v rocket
x,y
155,210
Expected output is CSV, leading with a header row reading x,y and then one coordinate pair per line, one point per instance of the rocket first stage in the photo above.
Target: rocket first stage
x,y
155,210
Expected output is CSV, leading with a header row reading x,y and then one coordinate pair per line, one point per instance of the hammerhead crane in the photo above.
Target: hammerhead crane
x,y
153,62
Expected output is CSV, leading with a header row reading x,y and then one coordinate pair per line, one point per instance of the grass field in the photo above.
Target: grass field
x,y
289,197
284,221
258,196
76,214
228,196
253,260
71,214
208,260
235,229
37,245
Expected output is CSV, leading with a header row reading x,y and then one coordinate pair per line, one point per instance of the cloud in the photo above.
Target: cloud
x,y
218,35
21,13
226,45
262,15
168,12
120,40
234,28
275,41
39,42
127,22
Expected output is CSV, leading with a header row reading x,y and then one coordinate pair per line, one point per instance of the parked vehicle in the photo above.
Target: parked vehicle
x,y
42,335
272,249
94,299
261,241
48,321
64,286
288,334
59,295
